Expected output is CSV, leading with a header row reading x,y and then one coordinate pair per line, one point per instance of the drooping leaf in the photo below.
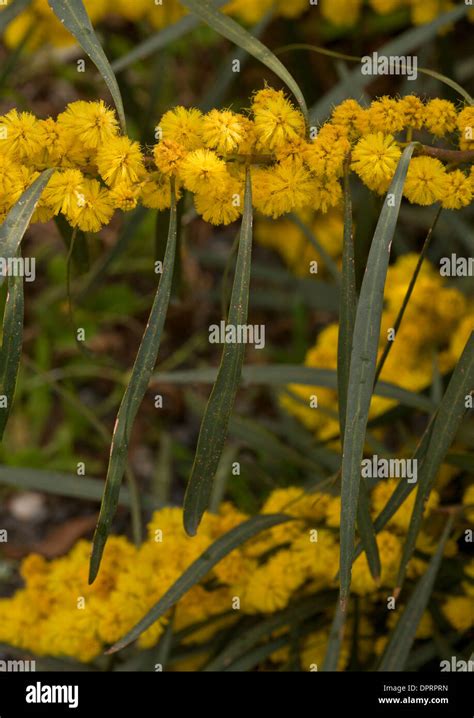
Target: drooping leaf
x,y
448,81
58,483
336,636
227,74
347,307
363,365
347,315
199,569
18,218
215,423
133,396
282,374
73,15
403,636
159,40
229,28
445,425
245,640
401,45
452,411
12,342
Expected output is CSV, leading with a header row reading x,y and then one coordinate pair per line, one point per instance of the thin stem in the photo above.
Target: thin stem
x,y
457,157
408,294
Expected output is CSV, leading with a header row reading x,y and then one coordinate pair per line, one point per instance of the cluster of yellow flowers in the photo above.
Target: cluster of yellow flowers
x,y
348,12
99,170
58,614
437,323
41,26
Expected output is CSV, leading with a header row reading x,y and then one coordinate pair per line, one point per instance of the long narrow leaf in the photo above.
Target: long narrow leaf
x,y
215,423
367,533
247,639
12,342
226,75
347,314
363,365
259,437
280,375
403,636
336,636
448,418
11,11
17,220
199,569
452,411
347,307
73,15
401,45
448,81
234,32
133,396
58,483
159,40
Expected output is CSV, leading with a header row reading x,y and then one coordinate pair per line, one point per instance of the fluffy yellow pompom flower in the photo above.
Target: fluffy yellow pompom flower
x,y
91,123
182,126
10,178
386,115
223,130
222,207
169,157
271,586
465,124
326,155
351,115
63,191
459,192
20,136
279,189
93,209
440,117
125,197
53,145
426,181
276,120
328,194
375,159
120,160
413,111
203,170
156,191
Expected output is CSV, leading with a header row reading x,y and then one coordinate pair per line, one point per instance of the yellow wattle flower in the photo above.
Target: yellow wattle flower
x,y
92,124
375,159
426,181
